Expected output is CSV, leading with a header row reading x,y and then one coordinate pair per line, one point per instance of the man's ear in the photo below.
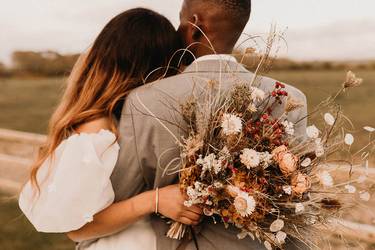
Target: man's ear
x,y
196,29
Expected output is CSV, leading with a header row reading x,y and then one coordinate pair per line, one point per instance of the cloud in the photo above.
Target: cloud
x,y
317,29
340,40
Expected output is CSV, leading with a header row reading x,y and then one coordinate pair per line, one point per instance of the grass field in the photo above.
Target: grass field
x,y
16,233
26,105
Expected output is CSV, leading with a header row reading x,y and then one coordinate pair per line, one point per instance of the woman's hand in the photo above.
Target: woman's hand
x,y
171,205
124,213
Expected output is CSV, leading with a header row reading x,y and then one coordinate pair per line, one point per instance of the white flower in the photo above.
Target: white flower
x,y
306,162
188,203
218,185
267,245
351,189
319,148
364,195
224,153
277,225
265,158
242,235
349,139
352,80
280,237
299,208
244,203
287,190
231,124
369,129
289,127
312,132
209,163
195,194
325,179
319,151
250,158
330,120
257,94
251,235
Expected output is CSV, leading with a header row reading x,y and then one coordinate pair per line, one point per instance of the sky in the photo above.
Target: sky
x,y
314,29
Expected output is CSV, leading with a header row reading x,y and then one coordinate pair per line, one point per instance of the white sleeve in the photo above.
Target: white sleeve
x,y
74,184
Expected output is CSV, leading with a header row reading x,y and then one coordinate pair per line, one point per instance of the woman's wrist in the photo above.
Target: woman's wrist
x,y
151,197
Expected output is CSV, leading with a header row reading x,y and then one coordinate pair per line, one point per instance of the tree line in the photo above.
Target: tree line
x,y
51,63
32,63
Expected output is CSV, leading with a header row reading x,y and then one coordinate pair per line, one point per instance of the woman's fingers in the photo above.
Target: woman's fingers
x,y
195,209
188,221
191,215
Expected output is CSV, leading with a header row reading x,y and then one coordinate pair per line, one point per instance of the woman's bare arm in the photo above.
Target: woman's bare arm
x,y
122,214
119,215
115,218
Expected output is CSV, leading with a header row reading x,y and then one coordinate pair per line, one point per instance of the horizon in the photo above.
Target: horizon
x,y
338,30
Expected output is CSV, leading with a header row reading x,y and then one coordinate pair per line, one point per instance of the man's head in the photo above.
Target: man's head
x,y
222,21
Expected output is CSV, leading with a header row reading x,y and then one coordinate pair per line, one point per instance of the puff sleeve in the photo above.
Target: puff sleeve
x,y
74,183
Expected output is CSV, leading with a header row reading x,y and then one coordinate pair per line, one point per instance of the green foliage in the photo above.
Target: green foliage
x,y
16,233
42,63
26,104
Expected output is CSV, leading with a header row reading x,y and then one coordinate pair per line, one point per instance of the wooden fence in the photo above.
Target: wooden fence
x,y
17,149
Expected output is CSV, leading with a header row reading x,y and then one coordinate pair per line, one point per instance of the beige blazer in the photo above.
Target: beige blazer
x,y
148,144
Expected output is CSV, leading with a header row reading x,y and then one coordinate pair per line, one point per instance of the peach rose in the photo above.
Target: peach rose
x,y
287,162
277,151
300,183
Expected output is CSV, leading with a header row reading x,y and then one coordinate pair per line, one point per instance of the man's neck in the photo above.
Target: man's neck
x,y
218,52
216,57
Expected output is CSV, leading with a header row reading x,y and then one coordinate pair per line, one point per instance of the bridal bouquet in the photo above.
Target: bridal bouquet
x,y
246,168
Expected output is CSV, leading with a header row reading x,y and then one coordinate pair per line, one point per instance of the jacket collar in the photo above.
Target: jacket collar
x,y
215,63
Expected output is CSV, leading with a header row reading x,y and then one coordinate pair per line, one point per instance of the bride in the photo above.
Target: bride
x,y
69,190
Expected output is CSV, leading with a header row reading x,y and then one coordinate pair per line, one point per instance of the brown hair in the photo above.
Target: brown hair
x,y
127,50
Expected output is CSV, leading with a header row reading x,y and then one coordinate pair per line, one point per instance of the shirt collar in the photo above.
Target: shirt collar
x,y
216,57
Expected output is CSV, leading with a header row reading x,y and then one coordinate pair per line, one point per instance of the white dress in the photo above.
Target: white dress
x,y
75,185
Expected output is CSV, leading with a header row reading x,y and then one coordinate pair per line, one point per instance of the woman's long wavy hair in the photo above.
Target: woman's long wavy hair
x,y
129,48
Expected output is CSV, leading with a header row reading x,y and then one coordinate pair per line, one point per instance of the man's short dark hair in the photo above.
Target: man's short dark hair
x,y
238,10
218,16
241,7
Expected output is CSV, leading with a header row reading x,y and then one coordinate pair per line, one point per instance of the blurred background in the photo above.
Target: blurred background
x,y
41,39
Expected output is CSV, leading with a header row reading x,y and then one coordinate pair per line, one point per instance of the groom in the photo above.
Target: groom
x,y
150,123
